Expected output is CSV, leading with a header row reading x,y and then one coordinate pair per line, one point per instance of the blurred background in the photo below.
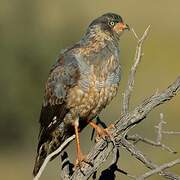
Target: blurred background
x,y
32,33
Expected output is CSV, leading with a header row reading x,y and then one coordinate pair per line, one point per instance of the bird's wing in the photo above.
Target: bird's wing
x,y
63,76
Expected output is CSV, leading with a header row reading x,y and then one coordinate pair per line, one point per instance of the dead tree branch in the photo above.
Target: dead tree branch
x,y
141,157
158,142
137,59
159,169
137,138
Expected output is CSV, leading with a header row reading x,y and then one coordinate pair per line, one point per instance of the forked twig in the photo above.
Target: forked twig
x,y
158,142
147,162
137,59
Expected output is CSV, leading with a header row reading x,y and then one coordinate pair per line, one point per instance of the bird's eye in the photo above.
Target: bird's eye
x,y
111,23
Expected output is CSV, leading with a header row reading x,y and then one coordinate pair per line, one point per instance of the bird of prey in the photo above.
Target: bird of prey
x,y
82,82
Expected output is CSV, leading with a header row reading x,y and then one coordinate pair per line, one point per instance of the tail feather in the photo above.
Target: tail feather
x,y
46,150
49,144
40,158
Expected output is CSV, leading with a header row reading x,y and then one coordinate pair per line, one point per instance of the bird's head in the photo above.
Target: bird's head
x,y
110,23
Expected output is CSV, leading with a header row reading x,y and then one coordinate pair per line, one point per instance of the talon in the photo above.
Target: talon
x,y
111,126
81,158
101,132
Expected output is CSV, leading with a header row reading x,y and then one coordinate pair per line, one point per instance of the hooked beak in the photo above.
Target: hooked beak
x,y
121,27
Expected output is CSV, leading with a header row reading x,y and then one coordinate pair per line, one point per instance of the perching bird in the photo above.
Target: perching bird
x,y
82,82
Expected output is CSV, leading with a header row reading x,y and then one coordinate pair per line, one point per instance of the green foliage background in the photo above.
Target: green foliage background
x,y
32,33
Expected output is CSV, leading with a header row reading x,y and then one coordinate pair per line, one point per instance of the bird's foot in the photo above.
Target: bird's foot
x,y
80,159
104,132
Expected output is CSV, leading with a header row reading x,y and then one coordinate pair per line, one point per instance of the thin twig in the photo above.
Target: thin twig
x,y
147,162
171,132
159,128
136,138
159,169
137,59
135,34
158,142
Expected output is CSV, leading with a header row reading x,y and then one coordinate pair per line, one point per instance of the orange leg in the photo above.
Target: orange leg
x,y
80,157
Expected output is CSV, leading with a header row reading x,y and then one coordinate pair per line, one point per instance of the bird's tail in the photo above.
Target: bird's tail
x,y
40,158
43,152
46,152
51,146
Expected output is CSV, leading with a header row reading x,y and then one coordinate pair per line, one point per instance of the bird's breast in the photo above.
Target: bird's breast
x,y
94,90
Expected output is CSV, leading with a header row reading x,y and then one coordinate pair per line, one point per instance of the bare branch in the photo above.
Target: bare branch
x,y
147,162
147,105
137,59
136,138
159,127
158,143
135,34
159,169
171,132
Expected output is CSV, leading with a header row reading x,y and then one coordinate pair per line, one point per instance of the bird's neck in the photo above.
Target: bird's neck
x,y
98,36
